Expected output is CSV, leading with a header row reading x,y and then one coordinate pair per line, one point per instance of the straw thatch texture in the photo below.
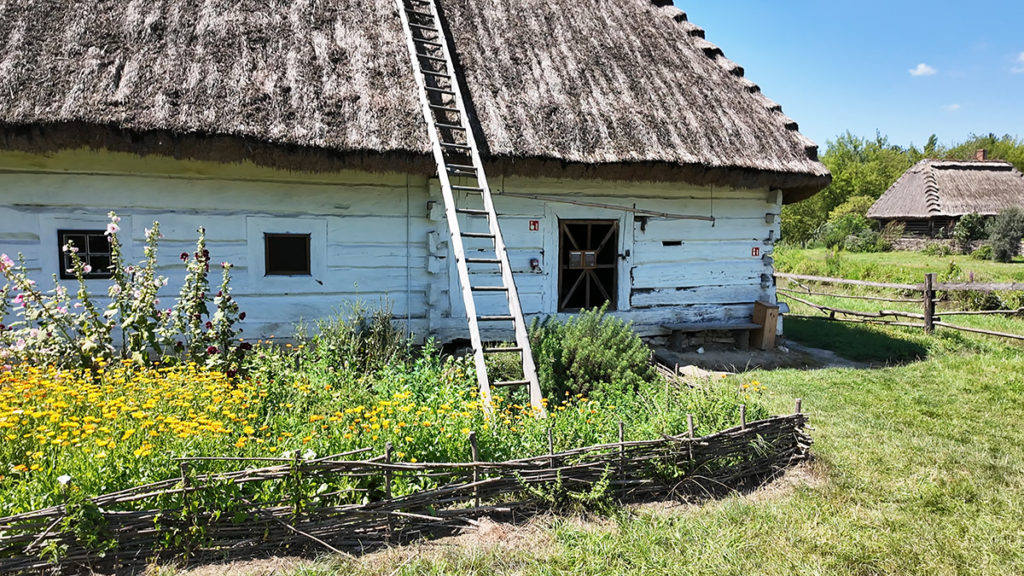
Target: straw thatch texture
x,y
623,90
949,189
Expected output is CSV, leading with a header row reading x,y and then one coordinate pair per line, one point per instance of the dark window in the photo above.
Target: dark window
x,y
287,254
93,248
588,264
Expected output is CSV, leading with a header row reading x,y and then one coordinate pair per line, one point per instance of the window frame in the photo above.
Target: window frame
x,y
64,268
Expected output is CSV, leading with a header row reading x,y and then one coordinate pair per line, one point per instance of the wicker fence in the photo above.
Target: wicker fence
x,y
135,526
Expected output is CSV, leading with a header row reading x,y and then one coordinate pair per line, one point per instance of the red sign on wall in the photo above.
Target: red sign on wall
x,y
755,251
534,225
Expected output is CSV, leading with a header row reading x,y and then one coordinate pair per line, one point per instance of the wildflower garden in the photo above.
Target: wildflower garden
x,y
98,399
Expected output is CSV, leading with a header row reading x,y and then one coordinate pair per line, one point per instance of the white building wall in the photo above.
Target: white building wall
x,y
383,238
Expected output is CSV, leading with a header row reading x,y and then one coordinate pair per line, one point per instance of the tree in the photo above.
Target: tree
x,y
1006,233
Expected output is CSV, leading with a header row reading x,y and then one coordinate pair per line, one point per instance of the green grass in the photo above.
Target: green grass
x,y
919,470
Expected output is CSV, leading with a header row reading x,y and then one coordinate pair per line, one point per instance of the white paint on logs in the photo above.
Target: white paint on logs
x,y
383,237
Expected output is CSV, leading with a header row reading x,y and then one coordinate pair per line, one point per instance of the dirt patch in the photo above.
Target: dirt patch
x,y
714,359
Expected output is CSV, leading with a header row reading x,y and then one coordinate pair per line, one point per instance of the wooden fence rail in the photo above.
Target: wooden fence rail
x,y
139,527
929,289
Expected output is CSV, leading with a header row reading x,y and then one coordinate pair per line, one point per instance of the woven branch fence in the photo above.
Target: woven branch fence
x,y
134,527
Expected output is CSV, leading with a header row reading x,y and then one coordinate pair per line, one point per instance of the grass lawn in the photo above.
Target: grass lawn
x,y
919,470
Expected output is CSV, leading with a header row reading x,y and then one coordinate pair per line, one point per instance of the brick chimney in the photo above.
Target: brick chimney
x,y
981,155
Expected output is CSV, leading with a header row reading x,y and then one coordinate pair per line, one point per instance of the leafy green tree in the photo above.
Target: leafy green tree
x,y
1006,233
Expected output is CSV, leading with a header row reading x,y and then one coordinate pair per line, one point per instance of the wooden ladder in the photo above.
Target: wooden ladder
x,y
458,157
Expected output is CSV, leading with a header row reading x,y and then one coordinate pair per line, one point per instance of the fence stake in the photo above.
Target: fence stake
x,y
689,429
743,416
551,448
798,402
929,302
387,471
476,471
622,451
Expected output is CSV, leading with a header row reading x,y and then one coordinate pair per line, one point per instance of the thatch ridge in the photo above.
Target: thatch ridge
x,y
950,188
324,85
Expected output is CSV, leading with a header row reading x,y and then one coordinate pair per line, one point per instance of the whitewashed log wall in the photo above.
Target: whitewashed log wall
x,y
380,239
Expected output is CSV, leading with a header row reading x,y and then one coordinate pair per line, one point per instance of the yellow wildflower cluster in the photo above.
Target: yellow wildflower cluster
x,y
47,413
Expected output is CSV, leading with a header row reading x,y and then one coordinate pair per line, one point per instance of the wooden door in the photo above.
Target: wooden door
x,y
588,258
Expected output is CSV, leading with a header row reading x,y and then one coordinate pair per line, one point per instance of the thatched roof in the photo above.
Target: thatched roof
x,y
940,188
625,89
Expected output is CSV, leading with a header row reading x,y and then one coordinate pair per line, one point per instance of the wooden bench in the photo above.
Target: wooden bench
x,y
740,332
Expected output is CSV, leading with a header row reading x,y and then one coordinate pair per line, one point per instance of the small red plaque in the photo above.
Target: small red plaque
x,y
755,251
534,225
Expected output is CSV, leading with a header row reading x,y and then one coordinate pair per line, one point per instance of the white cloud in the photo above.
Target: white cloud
x,y
923,70
951,107
1019,69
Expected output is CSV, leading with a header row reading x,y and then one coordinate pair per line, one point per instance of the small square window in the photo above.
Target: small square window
x,y
93,248
287,254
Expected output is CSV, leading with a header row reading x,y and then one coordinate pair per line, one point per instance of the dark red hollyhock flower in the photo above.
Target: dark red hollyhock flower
x,y
231,372
209,324
220,293
211,349
241,315
184,256
245,346
206,254
180,345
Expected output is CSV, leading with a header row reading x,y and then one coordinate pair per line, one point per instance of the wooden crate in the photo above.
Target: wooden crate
x,y
766,316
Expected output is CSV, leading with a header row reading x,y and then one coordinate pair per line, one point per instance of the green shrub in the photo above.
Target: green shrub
x,y
984,252
1005,233
835,232
866,241
591,354
968,230
937,249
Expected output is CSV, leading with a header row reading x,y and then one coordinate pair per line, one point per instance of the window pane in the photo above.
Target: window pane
x,y
287,254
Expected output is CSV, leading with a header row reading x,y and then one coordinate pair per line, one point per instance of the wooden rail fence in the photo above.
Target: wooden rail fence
x,y
138,525
929,318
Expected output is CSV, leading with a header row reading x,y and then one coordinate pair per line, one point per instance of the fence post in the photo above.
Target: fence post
x,y
387,471
929,302
622,451
799,401
476,472
551,449
743,416
689,429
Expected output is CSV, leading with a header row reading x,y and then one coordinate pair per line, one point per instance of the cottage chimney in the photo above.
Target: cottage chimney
x,y
981,155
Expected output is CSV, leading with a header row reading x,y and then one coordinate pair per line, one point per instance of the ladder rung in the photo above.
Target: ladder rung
x,y
477,235
432,73
500,349
422,27
444,108
474,212
440,90
496,318
428,42
467,188
457,146
426,14
488,289
450,126
434,58
462,167
510,383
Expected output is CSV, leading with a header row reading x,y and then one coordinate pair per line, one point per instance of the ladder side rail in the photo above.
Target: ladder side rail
x,y
449,202
515,307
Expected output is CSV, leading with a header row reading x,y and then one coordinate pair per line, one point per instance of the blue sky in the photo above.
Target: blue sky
x,y
838,66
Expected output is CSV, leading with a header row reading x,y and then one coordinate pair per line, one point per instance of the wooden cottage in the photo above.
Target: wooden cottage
x,y
628,160
932,195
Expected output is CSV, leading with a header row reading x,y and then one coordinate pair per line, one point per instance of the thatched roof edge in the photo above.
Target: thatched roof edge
x,y
50,138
